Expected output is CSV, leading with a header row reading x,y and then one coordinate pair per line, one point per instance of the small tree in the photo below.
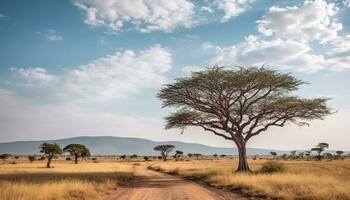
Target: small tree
x,y
339,153
319,149
50,150
215,156
273,154
31,158
190,155
77,150
5,156
133,156
292,154
301,154
16,157
164,150
238,104
197,155
146,158
222,155
178,154
123,157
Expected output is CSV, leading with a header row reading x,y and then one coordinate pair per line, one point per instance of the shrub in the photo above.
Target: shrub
x,y
272,167
68,158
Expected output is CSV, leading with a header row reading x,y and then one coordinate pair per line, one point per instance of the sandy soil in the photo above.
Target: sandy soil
x,y
152,185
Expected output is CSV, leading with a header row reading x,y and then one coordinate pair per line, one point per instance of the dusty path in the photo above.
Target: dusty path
x,y
152,185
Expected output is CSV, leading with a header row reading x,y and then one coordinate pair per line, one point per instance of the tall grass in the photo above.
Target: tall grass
x,y
309,180
28,181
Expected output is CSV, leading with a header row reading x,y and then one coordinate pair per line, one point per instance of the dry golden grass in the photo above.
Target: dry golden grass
x,y
86,180
309,180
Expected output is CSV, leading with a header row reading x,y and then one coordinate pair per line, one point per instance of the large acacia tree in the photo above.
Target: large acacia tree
x,y
237,104
77,150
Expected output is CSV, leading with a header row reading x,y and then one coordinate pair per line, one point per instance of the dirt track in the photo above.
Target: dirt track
x,y
151,185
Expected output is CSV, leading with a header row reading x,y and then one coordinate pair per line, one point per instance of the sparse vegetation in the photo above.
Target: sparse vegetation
x,y
28,181
301,179
271,167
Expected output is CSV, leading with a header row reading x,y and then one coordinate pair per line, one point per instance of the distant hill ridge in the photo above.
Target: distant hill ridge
x,y
110,145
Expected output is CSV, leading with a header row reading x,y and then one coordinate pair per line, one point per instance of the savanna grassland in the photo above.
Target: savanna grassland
x,y
22,180
301,179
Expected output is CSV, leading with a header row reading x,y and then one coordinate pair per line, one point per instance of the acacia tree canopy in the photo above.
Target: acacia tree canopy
x,y
50,150
164,150
77,150
239,104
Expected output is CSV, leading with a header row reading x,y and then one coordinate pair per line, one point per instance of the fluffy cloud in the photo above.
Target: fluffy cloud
x,y
34,76
145,15
285,40
157,15
232,8
287,54
52,35
111,77
311,21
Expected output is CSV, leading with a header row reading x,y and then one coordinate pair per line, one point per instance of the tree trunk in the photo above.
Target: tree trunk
x,y
76,159
48,165
242,156
164,156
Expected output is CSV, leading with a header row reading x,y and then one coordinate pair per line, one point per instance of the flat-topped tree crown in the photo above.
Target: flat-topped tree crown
x,y
239,104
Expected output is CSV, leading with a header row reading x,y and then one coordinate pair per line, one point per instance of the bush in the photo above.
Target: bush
x,y
68,158
272,167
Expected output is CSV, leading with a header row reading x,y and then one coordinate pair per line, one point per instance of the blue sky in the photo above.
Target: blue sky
x,y
88,67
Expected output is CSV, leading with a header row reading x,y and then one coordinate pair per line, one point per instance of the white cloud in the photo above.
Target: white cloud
x,y
283,54
314,20
232,8
207,45
285,40
111,77
34,76
145,15
52,35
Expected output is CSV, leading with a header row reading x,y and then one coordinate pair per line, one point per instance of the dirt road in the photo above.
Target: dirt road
x,y
151,185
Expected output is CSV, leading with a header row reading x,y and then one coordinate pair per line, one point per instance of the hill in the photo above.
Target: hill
x,y
108,145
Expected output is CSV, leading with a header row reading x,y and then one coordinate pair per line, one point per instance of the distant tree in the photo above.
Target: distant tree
x,y
68,159
301,154
146,158
123,157
77,150
5,156
85,153
284,156
239,104
42,158
222,155
273,154
50,150
31,158
307,154
178,154
164,150
190,155
197,155
215,156
319,149
292,154
16,157
133,156
160,157
339,153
